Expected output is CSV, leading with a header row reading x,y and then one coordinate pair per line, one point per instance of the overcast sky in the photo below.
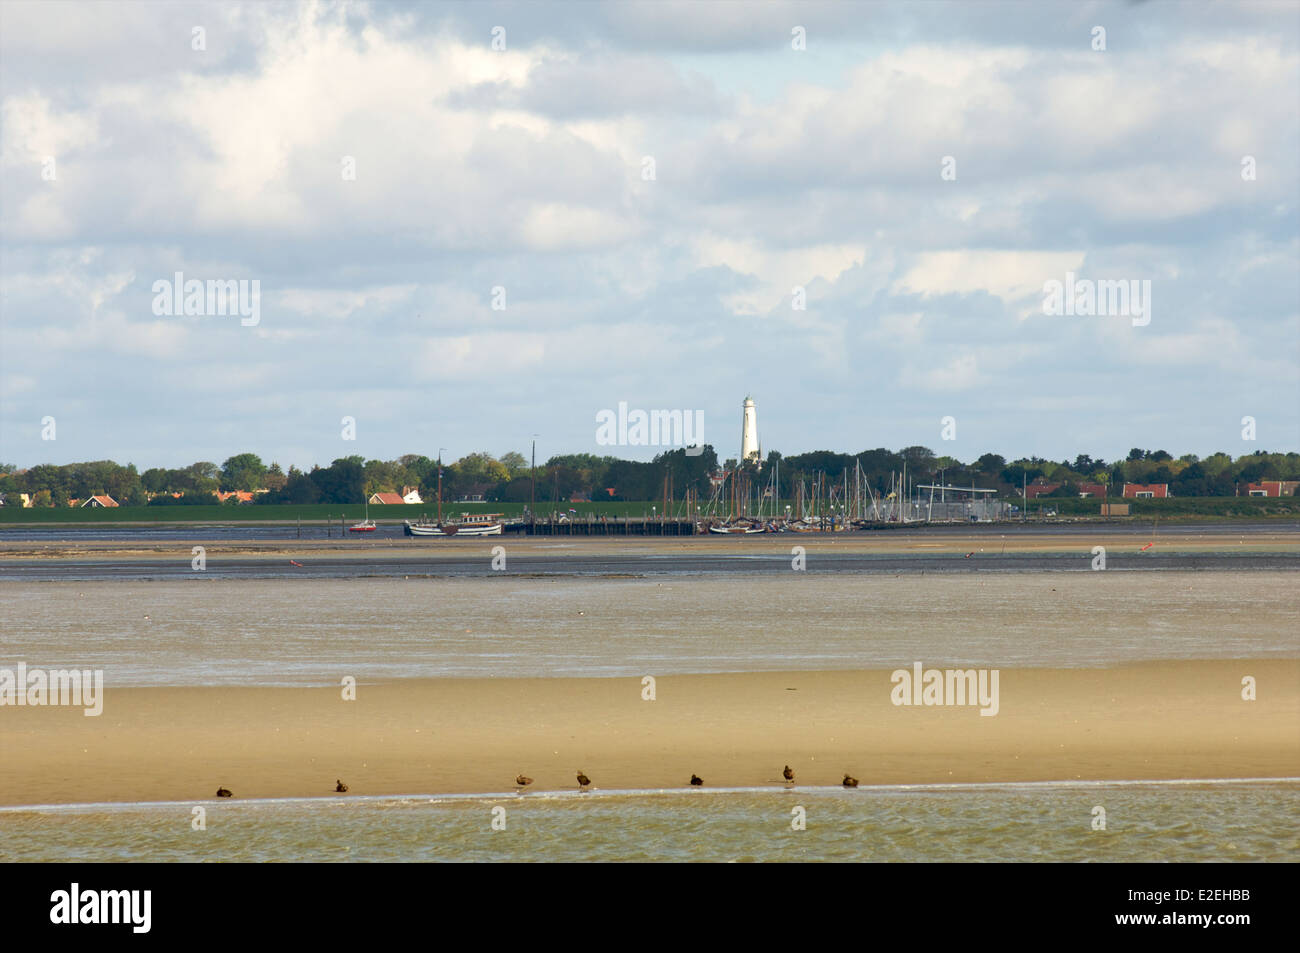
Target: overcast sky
x,y
524,168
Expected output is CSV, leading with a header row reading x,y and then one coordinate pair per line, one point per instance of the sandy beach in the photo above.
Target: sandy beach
x,y
1182,719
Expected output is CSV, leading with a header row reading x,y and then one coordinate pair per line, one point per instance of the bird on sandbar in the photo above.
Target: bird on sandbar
x,y
224,792
696,780
850,781
788,773
340,787
583,781
523,780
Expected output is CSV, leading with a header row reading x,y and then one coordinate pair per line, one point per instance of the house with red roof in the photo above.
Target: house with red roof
x,y
1146,491
1040,487
1272,488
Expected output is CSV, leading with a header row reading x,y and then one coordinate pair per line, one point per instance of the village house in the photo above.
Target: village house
x,y
97,501
411,494
1272,488
388,499
1040,487
241,496
1146,491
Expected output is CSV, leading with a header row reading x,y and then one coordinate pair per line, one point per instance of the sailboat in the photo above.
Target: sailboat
x,y
367,525
482,524
738,528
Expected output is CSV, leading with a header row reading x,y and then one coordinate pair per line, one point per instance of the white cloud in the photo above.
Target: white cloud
x,y
1010,275
774,169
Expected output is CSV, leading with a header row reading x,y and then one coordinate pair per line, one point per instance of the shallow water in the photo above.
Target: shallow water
x,y
1236,821
274,632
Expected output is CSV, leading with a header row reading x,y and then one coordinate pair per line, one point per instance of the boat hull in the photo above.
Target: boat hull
x,y
451,529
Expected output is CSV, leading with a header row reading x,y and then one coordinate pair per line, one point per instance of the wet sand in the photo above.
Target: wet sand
x,y
962,549
1183,719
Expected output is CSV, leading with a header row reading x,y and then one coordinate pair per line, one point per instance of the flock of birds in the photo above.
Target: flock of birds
x,y
584,782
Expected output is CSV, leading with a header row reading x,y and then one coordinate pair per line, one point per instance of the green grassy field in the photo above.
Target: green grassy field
x,y
287,513
1206,507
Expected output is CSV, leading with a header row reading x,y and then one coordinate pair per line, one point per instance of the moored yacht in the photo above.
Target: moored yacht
x,y
477,524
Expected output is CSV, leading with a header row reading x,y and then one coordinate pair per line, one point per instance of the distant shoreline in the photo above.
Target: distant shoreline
x,y
1182,519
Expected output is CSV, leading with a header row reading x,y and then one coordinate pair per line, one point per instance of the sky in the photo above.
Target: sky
x,y
472,226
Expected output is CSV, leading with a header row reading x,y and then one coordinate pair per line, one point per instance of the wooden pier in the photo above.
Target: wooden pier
x,y
606,526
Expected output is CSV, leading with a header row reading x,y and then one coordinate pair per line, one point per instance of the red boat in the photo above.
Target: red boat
x,y
367,525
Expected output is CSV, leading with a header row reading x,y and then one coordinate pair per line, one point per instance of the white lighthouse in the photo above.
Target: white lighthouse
x,y
750,449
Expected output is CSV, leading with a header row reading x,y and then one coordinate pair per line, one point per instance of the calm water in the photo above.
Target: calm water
x,y
1170,822
227,632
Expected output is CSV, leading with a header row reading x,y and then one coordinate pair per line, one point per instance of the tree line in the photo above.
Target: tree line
x,y
510,478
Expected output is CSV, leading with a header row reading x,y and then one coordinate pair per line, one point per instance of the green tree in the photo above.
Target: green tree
x,y
200,478
383,476
515,463
920,460
417,468
275,479
154,480
244,471
343,481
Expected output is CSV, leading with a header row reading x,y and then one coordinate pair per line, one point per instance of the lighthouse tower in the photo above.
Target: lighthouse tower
x,y
749,445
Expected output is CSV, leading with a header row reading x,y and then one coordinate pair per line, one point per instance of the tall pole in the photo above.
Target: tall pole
x,y
532,493
440,449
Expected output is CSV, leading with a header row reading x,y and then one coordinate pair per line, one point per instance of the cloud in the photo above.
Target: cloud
x,y
522,168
